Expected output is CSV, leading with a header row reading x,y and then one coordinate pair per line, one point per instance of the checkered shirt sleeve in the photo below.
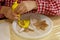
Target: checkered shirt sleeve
x,y
10,2
49,7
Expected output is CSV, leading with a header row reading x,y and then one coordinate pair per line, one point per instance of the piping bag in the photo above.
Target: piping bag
x,y
26,23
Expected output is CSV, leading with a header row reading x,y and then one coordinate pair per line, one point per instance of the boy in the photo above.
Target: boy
x,y
47,7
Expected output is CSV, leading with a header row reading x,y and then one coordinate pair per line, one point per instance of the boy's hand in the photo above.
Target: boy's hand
x,y
26,6
8,13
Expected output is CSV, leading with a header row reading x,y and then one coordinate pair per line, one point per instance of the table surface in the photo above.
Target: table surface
x,y
54,35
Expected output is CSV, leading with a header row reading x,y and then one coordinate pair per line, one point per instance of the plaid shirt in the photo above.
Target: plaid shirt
x,y
47,7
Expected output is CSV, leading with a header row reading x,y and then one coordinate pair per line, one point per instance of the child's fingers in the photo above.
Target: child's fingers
x,y
15,16
20,9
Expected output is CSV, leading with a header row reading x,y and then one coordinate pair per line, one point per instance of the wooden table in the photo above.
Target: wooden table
x,y
54,35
